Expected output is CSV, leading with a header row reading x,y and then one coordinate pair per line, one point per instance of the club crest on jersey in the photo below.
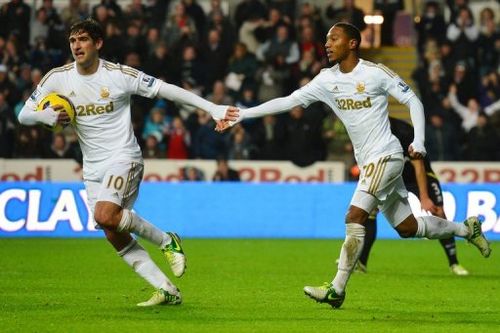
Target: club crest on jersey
x,y
360,87
104,92
404,87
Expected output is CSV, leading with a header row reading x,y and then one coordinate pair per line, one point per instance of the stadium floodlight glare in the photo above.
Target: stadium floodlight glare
x,y
373,19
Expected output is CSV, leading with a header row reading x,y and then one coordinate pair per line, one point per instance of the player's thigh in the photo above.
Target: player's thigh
x,y
120,184
396,210
92,188
382,177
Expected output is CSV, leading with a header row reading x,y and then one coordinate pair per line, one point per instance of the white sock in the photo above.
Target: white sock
x,y
434,227
131,222
140,261
349,254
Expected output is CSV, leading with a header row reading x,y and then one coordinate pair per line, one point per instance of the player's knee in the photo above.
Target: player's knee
x,y
105,218
407,229
356,215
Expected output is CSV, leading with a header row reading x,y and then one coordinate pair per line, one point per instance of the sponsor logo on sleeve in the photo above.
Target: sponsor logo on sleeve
x,y
34,96
148,81
404,87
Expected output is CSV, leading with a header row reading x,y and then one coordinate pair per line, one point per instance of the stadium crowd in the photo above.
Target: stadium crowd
x,y
265,50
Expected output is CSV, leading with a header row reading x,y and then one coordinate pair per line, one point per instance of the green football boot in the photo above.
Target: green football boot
x,y
163,297
325,294
476,236
175,255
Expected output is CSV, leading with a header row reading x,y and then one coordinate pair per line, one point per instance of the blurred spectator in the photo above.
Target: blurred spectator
x,y
273,76
239,144
179,29
136,10
280,46
59,148
430,25
347,13
224,172
309,43
30,142
303,140
219,95
156,124
75,11
192,174
246,34
241,69
489,89
15,17
267,29
482,141
207,144
463,34
311,14
7,88
40,26
178,140
441,141
8,124
113,48
191,68
134,41
151,146
215,57
194,10
463,78
468,113
161,64
249,10
389,9
488,51
221,23
454,7
269,139
113,9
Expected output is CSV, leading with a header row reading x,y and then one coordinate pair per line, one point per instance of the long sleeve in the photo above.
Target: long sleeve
x,y
179,95
273,106
418,120
28,116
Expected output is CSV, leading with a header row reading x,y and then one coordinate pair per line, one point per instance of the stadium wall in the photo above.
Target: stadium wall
x,y
222,210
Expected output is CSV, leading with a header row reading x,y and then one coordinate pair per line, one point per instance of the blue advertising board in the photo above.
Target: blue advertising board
x,y
223,210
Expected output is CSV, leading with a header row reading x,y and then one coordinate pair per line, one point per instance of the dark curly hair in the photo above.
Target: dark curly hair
x,y
90,26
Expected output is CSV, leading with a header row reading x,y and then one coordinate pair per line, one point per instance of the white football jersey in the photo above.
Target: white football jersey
x,y
102,103
359,98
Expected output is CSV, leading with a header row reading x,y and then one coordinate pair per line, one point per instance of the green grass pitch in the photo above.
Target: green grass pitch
x,y
51,285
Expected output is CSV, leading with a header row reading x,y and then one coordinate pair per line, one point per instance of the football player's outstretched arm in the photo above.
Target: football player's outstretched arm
x,y
177,94
277,105
417,147
48,116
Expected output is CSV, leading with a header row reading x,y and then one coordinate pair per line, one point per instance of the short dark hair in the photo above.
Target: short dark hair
x,y
351,31
90,26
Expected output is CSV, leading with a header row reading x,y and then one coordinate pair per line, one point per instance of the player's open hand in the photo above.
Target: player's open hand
x,y
222,125
428,205
232,113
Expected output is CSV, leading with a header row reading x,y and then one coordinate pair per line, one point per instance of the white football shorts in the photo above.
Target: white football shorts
x,y
120,185
381,185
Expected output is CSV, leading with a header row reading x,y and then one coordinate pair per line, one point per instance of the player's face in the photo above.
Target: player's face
x,y
337,45
84,49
